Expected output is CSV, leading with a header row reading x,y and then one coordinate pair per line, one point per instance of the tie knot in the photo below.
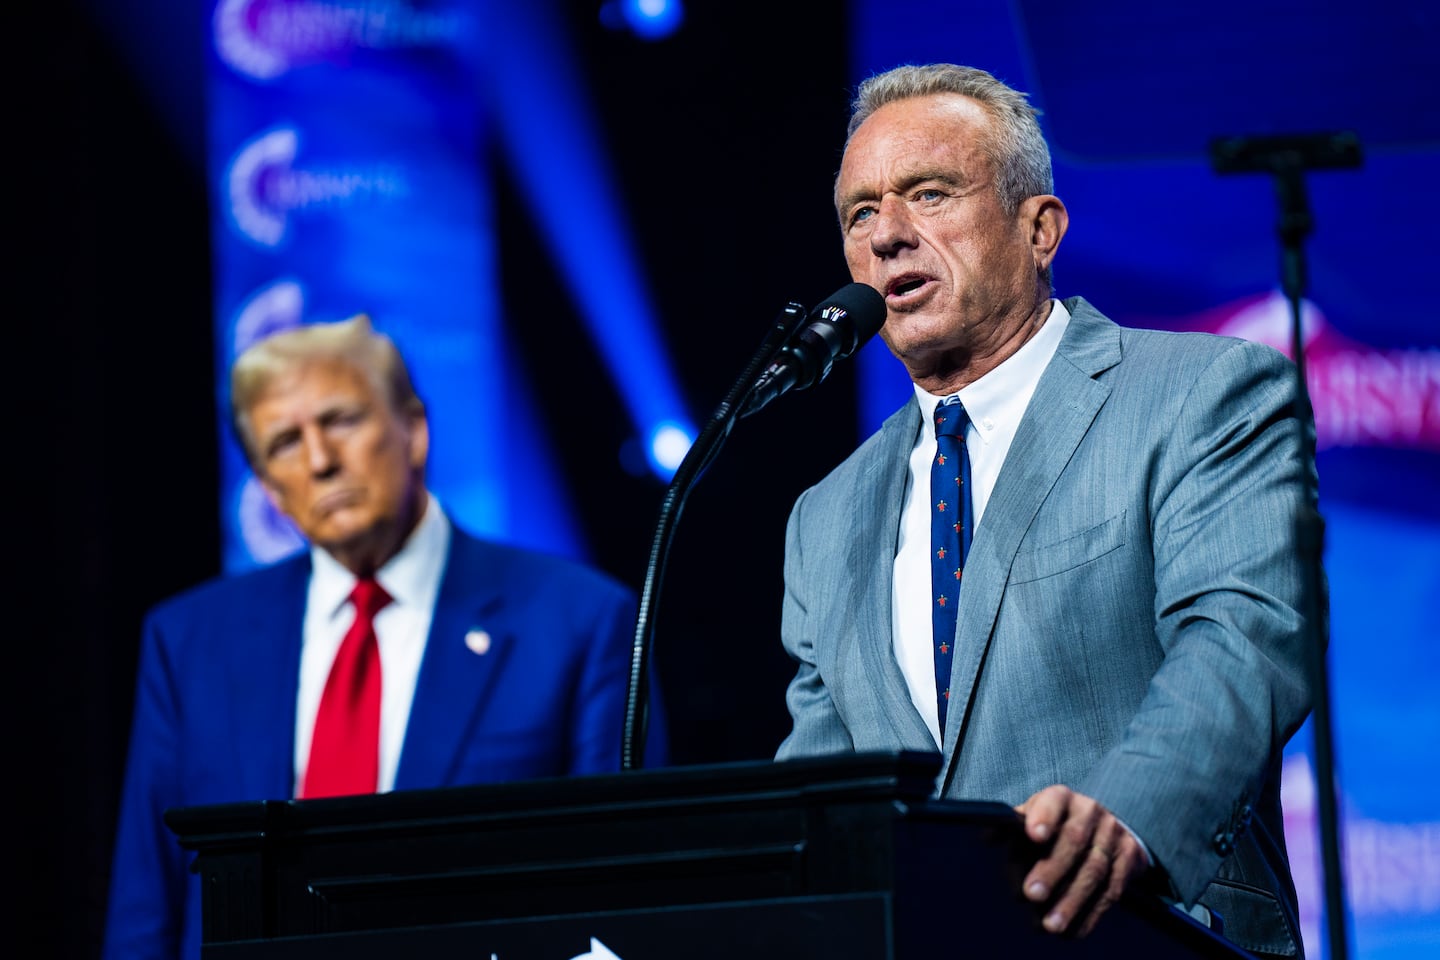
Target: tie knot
x,y
369,597
951,419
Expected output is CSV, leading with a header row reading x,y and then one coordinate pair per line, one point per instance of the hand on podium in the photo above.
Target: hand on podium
x,y
1092,858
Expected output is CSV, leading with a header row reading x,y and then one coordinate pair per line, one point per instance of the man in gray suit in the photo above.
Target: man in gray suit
x,y
1130,655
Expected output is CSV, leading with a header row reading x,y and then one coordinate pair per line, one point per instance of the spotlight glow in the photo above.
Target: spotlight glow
x,y
653,19
668,446
584,226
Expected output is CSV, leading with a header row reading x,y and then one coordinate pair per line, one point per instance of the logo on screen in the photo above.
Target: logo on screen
x,y
263,39
265,188
267,533
1390,868
271,309
1362,395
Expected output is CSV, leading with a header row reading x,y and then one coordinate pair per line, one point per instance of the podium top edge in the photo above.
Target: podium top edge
x,y
907,776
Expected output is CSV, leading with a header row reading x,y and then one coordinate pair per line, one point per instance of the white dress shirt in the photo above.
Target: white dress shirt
x,y
995,403
412,578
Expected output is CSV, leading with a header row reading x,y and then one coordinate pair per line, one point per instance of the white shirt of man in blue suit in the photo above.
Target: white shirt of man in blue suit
x,y
497,663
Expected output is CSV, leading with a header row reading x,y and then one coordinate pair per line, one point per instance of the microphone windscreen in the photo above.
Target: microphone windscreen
x,y
858,306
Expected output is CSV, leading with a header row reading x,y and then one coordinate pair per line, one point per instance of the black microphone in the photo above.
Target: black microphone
x,y
833,331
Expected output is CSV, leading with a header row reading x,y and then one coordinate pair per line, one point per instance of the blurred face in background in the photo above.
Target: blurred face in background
x,y
340,461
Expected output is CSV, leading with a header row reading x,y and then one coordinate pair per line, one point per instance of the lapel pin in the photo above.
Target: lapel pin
x,y
478,641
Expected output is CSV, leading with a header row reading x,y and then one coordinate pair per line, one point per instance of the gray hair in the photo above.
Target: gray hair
x,y
353,342
1017,150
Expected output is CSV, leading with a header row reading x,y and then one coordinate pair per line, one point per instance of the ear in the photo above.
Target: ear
x,y
271,491
1047,219
419,440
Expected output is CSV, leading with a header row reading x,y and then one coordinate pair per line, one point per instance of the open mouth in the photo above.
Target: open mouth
x,y
904,285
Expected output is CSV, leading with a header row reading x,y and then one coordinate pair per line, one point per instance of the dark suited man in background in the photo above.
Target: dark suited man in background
x,y
1113,641
398,652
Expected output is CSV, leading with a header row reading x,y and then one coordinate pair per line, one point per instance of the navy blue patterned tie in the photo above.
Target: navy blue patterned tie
x,y
951,520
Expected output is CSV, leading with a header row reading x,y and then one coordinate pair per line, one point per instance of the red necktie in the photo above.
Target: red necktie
x,y
345,748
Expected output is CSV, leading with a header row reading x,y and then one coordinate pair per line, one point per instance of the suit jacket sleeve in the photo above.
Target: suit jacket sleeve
x,y
148,874
817,726
1225,499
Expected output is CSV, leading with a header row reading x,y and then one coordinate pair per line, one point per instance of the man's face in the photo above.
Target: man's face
x,y
923,225
338,461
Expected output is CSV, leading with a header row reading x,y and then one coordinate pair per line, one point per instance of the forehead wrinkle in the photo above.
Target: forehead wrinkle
x,y
288,409
943,129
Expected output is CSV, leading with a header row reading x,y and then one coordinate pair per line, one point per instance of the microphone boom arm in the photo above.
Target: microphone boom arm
x,y
794,355
699,457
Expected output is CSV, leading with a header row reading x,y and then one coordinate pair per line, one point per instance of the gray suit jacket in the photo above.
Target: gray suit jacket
x,y
1130,620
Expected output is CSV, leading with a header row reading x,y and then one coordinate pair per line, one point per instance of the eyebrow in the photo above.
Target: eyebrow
x,y
909,182
267,443
329,410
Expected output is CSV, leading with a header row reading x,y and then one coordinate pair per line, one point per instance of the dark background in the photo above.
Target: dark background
x,y
725,170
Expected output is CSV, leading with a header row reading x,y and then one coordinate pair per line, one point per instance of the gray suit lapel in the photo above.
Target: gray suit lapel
x,y
1065,403
871,566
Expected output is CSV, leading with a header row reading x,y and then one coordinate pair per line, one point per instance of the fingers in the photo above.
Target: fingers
x,y
1068,821
1126,864
1045,811
1091,861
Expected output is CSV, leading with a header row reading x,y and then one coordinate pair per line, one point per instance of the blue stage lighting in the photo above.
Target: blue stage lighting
x,y
584,225
647,19
669,442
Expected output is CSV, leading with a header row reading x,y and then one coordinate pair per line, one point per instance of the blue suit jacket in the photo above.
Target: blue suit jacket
x,y
216,695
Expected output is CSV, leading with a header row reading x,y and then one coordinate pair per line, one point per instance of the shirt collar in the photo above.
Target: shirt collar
x,y
408,576
986,399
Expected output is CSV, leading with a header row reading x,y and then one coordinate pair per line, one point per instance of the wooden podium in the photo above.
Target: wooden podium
x,y
843,857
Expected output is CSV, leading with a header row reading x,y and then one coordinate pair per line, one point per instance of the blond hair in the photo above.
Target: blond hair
x,y
353,342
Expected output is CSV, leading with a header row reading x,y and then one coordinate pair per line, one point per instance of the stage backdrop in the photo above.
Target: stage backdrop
x,y
350,150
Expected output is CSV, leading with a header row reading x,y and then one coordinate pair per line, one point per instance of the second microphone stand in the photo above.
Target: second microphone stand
x,y
1287,158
